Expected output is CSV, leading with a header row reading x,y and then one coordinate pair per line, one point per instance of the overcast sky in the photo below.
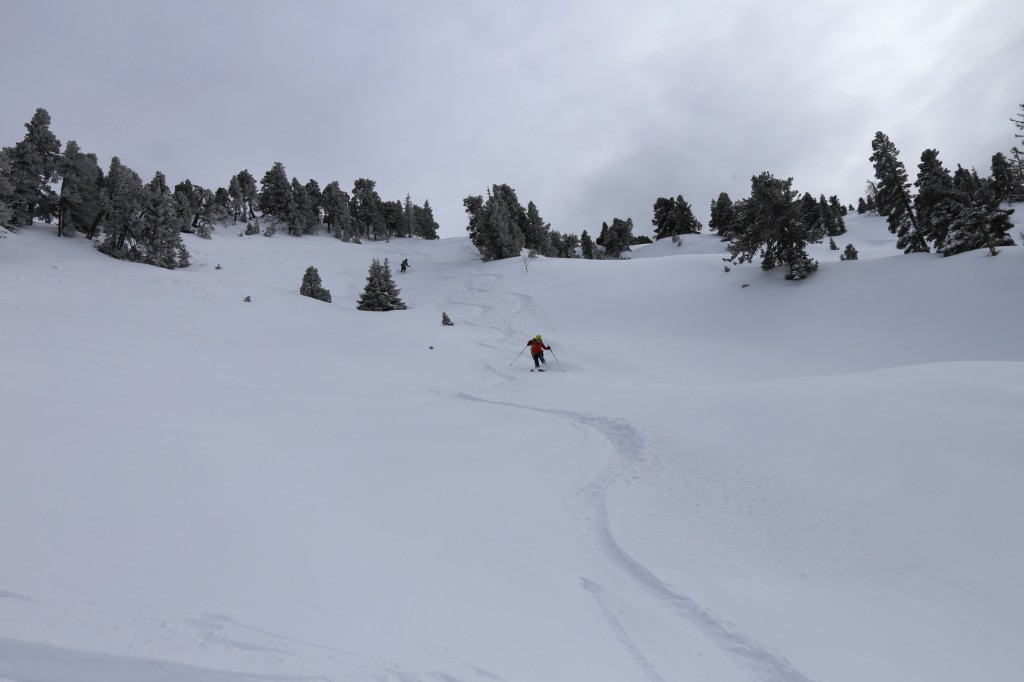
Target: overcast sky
x,y
592,109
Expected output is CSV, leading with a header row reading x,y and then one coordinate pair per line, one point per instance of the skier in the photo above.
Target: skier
x,y
405,264
537,349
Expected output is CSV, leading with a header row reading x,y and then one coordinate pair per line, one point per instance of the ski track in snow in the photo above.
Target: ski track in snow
x,y
215,645
627,454
31,662
492,308
628,449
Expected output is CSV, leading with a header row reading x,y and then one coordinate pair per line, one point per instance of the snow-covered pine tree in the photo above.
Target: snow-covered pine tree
x,y
937,201
380,292
189,199
497,226
618,237
122,199
810,213
337,213
159,240
445,320
142,223
674,216
829,220
871,197
300,208
723,216
275,195
393,215
6,214
31,167
409,217
979,223
238,211
536,232
250,196
214,207
1017,160
79,206
849,253
838,213
313,287
893,197
800,265
570,246
426,226
1002,178
770,224
586,245
474,207
366,210
507,219
313,210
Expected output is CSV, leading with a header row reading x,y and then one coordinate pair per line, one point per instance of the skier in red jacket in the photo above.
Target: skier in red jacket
x,y
537,349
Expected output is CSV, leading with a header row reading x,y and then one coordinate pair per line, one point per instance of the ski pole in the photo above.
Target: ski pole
x,y
517,357
556,360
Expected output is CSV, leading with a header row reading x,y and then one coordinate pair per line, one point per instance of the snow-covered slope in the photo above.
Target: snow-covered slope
x,y
722,476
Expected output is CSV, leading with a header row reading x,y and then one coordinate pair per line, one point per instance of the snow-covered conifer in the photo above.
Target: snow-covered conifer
x,y
79,207
769,223
937,201
426,226
380,292
366,208
31,166
893,195
313,287
275,197
723,216
586,245
979,223
536,232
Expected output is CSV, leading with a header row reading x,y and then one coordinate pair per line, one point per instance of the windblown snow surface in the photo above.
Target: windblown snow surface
x,y
722,475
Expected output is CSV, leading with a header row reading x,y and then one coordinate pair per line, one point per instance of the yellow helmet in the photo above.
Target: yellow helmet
x,y
538,337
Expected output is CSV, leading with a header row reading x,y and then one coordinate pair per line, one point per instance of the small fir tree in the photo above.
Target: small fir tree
x,y
313,287
849,253
380,293
445,320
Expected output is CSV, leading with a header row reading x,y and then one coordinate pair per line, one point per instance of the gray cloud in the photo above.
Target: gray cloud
x,y
590,109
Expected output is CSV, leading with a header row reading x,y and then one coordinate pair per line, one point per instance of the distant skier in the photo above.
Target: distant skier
x,y
405,264
537,349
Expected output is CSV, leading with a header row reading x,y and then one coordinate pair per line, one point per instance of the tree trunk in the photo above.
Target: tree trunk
x,y
95,223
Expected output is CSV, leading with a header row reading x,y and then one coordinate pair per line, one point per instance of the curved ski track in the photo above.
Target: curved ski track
x,y
628,451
